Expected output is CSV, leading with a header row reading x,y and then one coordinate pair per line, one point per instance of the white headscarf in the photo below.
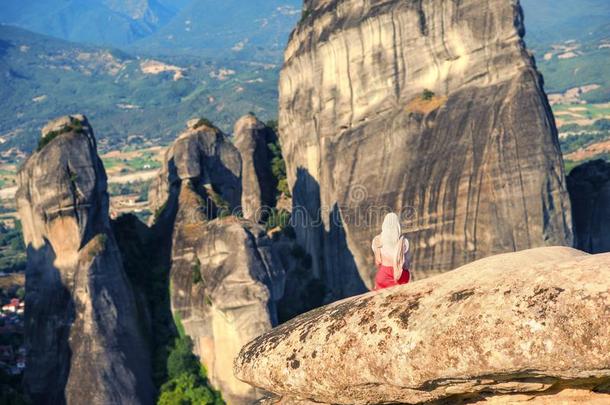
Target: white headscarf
x,y
393,244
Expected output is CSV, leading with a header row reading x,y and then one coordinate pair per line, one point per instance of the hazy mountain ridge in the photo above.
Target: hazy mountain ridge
x,y
571,40
229,54
106,22
254,28
46,77
549,21
244,30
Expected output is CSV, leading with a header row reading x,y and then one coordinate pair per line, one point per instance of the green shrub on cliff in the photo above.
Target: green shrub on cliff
x,y
278,219
186,389
197,278
203,122
181,359
427,95
188,383
75,126
278,169
221,206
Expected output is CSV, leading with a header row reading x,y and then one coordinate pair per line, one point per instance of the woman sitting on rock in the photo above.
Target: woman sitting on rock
x,y
392,256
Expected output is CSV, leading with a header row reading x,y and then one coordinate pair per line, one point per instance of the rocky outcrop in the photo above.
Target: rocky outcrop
x,y
211,164
527,325
589,187
251,139
225,276
432,109
81,322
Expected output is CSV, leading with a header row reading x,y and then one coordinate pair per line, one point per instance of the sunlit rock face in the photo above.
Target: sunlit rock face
x,y
527,326
433,109
225,277
204,156
81,322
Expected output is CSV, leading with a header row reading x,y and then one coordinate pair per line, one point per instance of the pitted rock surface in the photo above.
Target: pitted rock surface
x,y
528,323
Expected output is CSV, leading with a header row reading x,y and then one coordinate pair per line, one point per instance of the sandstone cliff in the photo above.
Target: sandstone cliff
x,y
589,186
258,194
81,322
433,109
225,277
523,326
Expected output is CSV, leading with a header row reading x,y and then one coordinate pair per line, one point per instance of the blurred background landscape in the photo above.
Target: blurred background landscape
x,y
139,69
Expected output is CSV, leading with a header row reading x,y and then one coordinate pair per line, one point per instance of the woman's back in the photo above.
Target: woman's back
x,y
386,255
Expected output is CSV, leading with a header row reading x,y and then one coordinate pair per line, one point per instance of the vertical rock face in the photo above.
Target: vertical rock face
x,y
589,186
251,139
433,109
225,277
82,333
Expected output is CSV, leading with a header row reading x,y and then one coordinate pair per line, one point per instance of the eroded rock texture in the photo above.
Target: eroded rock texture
x,y
429,108
84,345
589,186
203,156
517,325
225,276
258,184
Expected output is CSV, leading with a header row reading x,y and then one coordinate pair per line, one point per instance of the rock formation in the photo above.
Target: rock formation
x,y
589,187
81,322
225,277
258,194
211,164
527,325
432,109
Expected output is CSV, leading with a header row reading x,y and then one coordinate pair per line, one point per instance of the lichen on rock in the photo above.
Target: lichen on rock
x,y
523,324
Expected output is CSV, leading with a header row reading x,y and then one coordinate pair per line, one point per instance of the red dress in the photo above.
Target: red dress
x,y
385,277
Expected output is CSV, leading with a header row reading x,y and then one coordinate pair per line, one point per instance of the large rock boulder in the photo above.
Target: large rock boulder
x,y
432,109
81,322
589,186
225,277
252,138
518,325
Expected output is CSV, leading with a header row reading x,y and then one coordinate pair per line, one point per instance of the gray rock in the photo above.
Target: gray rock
x,y
225,276
81,323
505,329
473,163
204,156
258,194
589,186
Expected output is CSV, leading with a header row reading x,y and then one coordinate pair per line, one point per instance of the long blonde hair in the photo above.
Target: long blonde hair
x,y
393,243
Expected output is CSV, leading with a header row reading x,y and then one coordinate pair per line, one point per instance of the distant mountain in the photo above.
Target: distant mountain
x,y
106,22
550,21
241,29
228,54
245,29
122,95
571,41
